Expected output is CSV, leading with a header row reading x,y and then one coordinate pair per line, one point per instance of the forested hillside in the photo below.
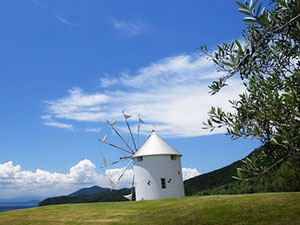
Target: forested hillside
x,y
284,177
104,196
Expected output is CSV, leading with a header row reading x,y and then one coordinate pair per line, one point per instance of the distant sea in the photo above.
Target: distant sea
x,y
8,208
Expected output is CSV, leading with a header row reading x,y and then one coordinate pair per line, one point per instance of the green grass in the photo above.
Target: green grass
x,y
266,208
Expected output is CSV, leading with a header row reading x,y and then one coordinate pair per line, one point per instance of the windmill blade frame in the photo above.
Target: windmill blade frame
x,y
115,162
126,117
130,152
114,129
123,172
115,146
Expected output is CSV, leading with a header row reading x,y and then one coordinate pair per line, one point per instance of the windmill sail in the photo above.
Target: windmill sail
x,y
129,197
112,184
104,162
140,120
112,123
138,134
104,138
126,116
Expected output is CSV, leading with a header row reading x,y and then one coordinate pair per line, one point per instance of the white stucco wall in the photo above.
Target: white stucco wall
x,y
152,169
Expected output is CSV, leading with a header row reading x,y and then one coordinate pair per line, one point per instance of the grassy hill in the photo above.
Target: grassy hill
x,y
264,208
103,196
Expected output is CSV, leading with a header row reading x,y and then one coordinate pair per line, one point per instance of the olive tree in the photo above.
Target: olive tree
x,y
267,62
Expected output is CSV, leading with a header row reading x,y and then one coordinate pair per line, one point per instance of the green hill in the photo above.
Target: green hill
x,y
104,196
212,179
254,209
89,191
283,177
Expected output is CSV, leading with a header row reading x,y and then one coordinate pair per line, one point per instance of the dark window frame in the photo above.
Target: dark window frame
x,y
173,157
139,158
163,183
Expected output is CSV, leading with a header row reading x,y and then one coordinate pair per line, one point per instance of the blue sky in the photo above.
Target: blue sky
x,y
67,66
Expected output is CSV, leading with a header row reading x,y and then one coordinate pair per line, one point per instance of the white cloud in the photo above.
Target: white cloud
x,y
59,125
67,21
48,120
129,28
171,95
188,173
125,181
14,181
78,106
58,17
172,70
106,82
46,117
93,130
7,171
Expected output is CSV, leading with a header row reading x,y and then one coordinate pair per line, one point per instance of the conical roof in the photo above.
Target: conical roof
x,y
155,145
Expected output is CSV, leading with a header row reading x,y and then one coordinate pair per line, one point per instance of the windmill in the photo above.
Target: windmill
x,y
128,151
156,165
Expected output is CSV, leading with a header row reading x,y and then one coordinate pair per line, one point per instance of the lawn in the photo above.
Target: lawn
x,y
264,208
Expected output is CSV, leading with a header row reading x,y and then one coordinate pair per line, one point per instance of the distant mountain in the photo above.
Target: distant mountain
x,y
103,196
11,204
88,191
20,199
31,203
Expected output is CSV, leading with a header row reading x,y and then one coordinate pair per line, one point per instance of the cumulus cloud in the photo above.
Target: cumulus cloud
x,y
188,173
127,177
114,174
14,181
170,94
126,180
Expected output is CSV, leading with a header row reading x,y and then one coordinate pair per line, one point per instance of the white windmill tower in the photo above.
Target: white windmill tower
x,y
157,169
157,166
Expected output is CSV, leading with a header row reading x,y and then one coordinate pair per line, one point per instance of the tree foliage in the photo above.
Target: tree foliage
x,y
267,62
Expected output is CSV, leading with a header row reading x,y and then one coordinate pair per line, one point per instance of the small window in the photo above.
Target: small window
x,y
173,157
163,183
140,158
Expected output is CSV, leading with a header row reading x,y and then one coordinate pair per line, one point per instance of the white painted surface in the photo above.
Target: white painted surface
x,y
155,145
148,174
